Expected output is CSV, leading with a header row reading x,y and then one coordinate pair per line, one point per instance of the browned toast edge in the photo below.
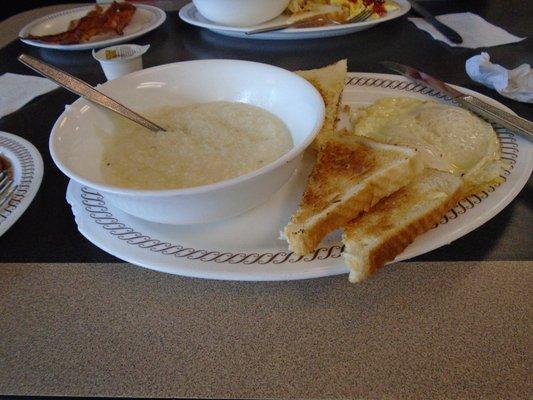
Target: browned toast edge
x,y
398,175
396,243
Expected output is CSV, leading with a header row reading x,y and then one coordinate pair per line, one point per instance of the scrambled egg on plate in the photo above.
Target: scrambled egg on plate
x,y
341,10
448,138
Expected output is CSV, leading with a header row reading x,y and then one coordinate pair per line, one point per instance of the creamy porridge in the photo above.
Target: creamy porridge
x,y
204,143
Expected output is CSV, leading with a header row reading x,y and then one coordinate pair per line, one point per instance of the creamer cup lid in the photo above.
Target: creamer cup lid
x,y
120,53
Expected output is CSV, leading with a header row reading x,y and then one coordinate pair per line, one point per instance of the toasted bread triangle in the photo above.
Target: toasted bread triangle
x,y
381,234
350,176
329,81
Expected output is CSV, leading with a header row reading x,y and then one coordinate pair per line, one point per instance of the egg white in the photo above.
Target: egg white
x,y
447,138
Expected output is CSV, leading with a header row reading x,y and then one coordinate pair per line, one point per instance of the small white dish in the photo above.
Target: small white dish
x,y
190,14
240,12
248,247
77,150
27,167
145,19
120,60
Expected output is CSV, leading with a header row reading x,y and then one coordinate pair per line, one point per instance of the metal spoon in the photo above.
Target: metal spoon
x,y
85,90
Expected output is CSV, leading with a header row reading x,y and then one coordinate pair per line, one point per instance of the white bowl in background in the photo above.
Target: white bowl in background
x,y
240,12
77,150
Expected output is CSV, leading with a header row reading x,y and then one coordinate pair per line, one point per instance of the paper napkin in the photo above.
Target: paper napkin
x,y
17,90
516,84
475,31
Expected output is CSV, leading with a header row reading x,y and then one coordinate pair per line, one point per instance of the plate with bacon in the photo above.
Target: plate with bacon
x,y
92,26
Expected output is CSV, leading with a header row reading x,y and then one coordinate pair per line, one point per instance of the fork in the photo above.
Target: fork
x,y
7,187
313,22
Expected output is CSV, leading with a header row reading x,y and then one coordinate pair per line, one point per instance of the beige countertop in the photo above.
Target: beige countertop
x,y
415,330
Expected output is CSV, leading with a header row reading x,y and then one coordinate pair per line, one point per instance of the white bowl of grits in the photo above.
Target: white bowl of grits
x,y
240,12
235,132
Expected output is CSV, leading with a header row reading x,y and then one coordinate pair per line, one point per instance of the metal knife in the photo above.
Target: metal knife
x,y
512,122
453,36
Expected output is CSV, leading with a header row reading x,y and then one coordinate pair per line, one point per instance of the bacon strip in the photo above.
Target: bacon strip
x,y
96,22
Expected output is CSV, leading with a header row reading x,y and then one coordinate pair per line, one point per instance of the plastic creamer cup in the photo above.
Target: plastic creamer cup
x,y
120,60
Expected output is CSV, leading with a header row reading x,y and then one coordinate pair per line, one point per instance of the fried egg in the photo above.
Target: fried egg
x,y
447,138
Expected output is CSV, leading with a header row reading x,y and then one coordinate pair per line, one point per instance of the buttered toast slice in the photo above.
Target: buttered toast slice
x,y
381,234
329,81
350,176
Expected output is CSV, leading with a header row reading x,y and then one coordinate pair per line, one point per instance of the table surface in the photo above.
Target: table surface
x,y
449,323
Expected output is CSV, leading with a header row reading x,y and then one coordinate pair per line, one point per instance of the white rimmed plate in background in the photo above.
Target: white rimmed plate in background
x,y
145,19
191,15
27,167
248,247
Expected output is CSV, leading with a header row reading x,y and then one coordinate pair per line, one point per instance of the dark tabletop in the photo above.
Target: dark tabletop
x,y
47,232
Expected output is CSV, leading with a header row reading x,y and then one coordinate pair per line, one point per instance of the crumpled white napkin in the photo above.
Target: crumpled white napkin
x,y
17,90
475,31
516,84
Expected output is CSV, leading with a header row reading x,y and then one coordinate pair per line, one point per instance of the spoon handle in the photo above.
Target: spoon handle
x,y
85,90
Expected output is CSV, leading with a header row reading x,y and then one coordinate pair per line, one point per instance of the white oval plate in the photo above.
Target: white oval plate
x,y
145,19
27,172
191,15
248,247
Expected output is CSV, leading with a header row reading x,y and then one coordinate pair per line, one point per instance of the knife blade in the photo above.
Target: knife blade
x,y
453,36
512,122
